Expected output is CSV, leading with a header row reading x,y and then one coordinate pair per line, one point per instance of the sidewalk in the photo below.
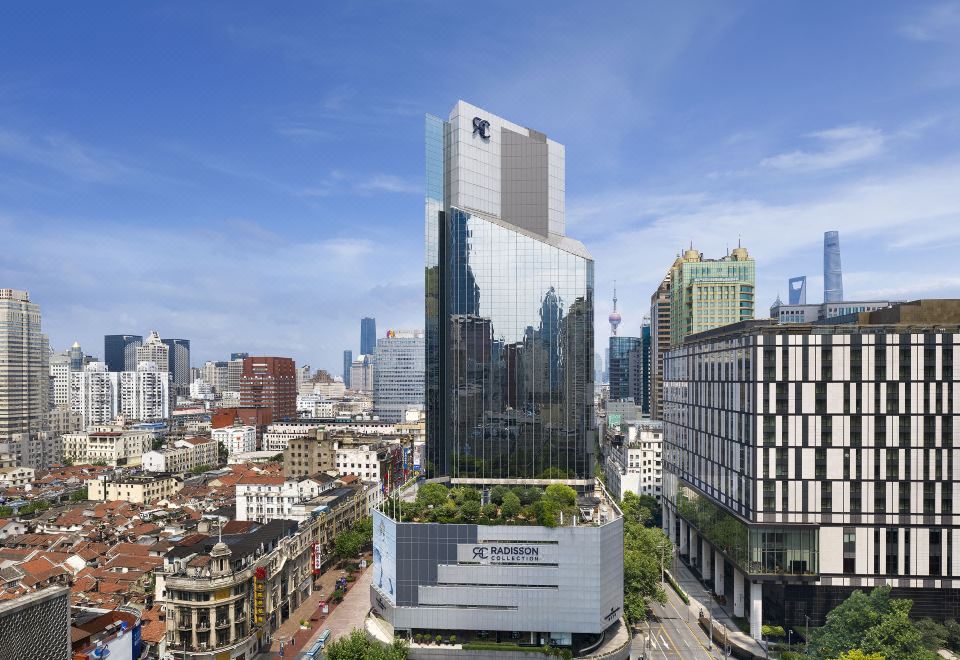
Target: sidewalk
x,y
700,599
294,637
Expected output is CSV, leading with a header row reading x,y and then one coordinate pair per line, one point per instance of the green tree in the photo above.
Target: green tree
x,y
432,495
357,646
952,628
497,493
528,495
857,654
6,511
872,623
933,635
489,511
511,506
895,636
365,529
347,544
564,496
470,511
78,495
547,513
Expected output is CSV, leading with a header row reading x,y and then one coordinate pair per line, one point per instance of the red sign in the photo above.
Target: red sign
x,y
261,572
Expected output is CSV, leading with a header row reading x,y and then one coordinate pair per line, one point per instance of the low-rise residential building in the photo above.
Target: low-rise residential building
x,y
113,445
15,477
182,456
278,436
236,439
309,455
633,459
267,497
137,489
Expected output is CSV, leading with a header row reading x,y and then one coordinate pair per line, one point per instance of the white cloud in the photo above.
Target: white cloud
x,y
390,184
938,23
62,154
840,146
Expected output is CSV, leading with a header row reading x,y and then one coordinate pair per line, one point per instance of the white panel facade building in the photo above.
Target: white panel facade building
x,y
805,461
634,459
398,375
236,439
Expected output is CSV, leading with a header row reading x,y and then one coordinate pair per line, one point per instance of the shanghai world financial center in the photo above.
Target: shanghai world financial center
x,y
509,308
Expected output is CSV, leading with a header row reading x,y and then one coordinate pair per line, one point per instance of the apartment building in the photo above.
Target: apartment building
x,y
236,439
137,489
112,445
182,456
633,459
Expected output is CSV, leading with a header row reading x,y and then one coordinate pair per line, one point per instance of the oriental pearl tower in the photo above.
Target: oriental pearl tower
x,y
614,317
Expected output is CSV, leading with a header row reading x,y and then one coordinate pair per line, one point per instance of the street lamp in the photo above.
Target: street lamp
x,y
806,635
790,637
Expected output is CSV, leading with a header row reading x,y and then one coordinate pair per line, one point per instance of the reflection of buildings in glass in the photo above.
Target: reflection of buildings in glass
x,y
509,309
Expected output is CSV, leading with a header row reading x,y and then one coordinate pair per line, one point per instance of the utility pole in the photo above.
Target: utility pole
x,y
806,635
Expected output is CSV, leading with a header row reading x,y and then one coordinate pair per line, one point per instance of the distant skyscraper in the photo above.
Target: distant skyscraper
x,y
623,383
368,335
659,342
398,372
120,352
154,350
509,307
239,356
347,362
270,382
798,290
76,357
832,271
708,293
178,362
24,366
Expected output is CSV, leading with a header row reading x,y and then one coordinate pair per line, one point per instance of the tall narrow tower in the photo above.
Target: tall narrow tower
x,y
614,317
832,273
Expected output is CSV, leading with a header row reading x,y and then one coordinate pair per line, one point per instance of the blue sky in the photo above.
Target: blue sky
x,y
249,175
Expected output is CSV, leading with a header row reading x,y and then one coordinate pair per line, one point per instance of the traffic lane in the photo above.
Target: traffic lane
x,y
690,637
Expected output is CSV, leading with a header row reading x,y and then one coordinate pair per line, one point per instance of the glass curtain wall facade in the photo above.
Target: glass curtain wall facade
x,y
509,335
624,356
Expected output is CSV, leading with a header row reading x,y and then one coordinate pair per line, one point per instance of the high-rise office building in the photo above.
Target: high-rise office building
x,y
270,382
659,342
347,363
154,350
76,356
805,461
623,382
797,286
215,375
509,307
361,374
398,375
368,335
644,369
178,351
234,374
509,351
60,371
832,271
24,370
709,293
120,351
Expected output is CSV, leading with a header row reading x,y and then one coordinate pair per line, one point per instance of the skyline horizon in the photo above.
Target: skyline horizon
x,y
251,178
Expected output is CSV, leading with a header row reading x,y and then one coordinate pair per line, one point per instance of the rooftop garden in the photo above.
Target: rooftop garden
x,y
553,506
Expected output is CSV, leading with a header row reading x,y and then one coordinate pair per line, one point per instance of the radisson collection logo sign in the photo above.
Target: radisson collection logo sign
x,y
507,553
481,126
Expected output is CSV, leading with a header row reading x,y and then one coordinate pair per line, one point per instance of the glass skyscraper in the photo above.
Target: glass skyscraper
x,y
509,307
368,335
120,351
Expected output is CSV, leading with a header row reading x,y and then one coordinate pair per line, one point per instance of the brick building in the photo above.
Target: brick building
x,y
270,382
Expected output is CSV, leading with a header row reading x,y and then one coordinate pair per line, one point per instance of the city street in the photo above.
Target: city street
x,y
673,633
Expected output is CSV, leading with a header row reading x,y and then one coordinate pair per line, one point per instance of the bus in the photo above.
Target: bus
x,y
315,652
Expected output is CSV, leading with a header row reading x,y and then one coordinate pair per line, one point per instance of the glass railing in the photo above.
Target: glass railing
x,y
756,549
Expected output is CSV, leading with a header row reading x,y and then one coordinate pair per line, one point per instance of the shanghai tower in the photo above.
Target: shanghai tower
x,y
832,273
